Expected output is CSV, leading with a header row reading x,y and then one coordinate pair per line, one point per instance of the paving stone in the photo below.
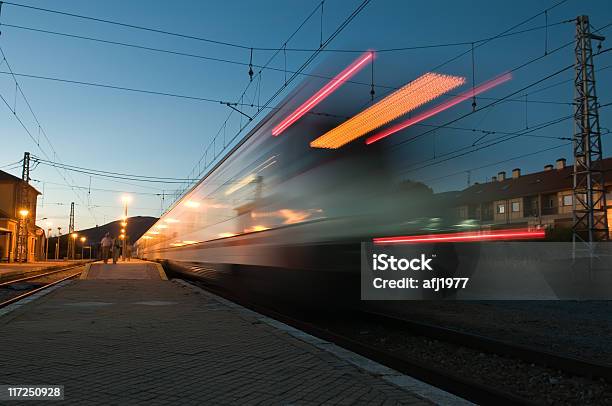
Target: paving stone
x,y
107,344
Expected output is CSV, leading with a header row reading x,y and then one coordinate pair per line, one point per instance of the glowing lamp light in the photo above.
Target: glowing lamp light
x,y
153,232
256,228
122,236
483,87
413,95
466,236
325,91
225,235
74,235
83,239
192,204
124,223
24,212
161,226
122,230
126,199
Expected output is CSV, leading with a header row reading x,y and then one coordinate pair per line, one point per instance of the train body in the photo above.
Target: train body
x,y
276,203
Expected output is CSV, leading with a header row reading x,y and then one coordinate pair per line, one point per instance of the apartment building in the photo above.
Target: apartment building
x,y
537,199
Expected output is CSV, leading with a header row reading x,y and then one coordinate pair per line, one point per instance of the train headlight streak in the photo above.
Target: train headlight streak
x,y
325,91
413,95
467,236
483,87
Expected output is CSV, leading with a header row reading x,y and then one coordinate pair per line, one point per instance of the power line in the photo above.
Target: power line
x,y
514,158
229,61
253,48
261,108
128,89
511,94
91,172
40,127
458,153
97,171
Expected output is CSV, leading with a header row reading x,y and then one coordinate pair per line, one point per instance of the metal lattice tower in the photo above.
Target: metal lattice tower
x,y
24,204
71,242
589,198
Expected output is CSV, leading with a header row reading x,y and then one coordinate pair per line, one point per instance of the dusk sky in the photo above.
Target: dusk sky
x,y
155,135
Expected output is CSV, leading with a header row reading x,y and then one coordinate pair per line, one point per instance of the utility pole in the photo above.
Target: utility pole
x,y
57,244
589,196
71,239
23,211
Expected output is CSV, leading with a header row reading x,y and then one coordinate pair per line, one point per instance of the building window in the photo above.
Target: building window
x,y
501,208
516,207
567,200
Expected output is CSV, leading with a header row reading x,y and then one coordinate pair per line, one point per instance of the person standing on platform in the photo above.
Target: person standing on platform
x,y
116,249
106,244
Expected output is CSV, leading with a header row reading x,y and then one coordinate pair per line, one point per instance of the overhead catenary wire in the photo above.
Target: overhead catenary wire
x,y
511,94
261,108
514,158
40,127
284,49
437,67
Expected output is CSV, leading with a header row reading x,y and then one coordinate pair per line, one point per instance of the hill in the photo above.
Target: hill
x,y
137,226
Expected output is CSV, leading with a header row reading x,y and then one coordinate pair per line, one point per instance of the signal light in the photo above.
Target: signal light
x,y
325,91
466,236
413,95
483,87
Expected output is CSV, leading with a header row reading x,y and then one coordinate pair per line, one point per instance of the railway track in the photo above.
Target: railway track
x,y
465,388
37,288
464,385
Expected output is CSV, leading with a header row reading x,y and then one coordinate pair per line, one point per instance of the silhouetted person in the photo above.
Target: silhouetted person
x,y
116,249
106,244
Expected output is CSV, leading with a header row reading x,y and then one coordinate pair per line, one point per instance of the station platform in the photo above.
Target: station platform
x,y
124,335
14,269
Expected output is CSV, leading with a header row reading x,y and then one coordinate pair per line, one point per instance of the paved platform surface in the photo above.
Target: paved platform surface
x,y
155,342
13,269
133,269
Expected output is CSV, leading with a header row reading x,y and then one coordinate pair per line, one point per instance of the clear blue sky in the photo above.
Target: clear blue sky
x,y
163,136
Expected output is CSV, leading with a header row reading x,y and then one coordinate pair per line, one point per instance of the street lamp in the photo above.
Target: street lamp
x,y
74,237
126,199
57,244
82,245
48,224
22,251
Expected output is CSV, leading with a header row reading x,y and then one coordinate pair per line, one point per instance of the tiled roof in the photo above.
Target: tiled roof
x,y
526,185
12,178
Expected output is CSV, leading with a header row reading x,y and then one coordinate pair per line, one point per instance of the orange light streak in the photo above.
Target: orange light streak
x,y
413,95
483,87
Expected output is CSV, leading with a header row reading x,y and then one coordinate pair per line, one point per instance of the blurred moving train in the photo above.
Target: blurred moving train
x,y
276,203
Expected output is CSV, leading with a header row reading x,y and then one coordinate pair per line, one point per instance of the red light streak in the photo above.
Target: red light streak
x,y
325,91
483,87
467,236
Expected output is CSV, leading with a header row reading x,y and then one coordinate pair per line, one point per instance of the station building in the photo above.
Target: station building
x,y
10,187
541,199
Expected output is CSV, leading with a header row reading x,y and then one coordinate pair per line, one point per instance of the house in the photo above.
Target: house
x,y
10,187
538,199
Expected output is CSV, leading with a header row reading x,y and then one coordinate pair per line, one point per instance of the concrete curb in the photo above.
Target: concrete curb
x,y
405,382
